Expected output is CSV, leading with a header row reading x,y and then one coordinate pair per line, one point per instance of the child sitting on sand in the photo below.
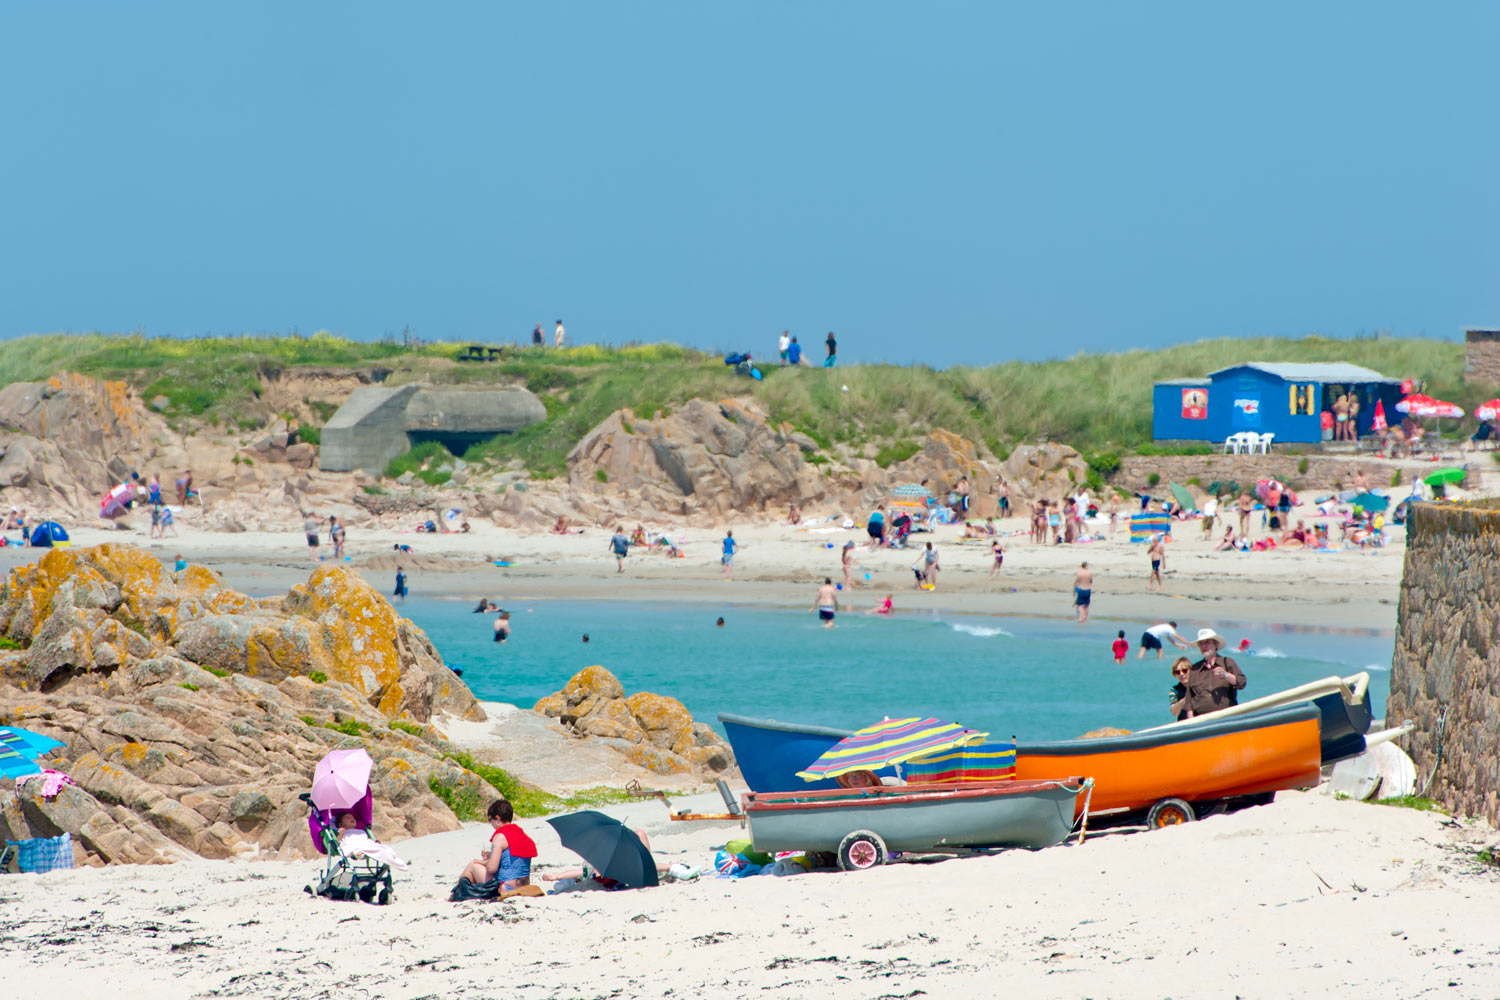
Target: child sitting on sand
x,y
883,608
504,865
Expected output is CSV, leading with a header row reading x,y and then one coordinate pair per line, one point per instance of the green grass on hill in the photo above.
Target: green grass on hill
x,y
1099,403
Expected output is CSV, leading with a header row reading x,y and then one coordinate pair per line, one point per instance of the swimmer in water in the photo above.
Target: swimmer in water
x,y
719,623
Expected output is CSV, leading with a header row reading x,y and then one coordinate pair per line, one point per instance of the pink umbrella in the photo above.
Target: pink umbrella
x,y
1488,411
113,504
341,779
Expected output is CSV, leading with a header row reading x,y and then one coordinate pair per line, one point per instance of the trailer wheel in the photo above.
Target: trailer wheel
x,y
860,850
1169,812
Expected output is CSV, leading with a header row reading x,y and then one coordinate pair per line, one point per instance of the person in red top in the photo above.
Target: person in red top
x,y
507,858
1120,647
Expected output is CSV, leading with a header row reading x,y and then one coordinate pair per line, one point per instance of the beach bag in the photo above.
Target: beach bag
x,y
44,854
474,890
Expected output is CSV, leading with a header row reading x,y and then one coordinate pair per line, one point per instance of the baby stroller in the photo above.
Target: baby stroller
x,y
340,779
902,528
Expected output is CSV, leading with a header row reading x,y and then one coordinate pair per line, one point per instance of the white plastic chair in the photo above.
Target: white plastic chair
x,y
1232,444
1265,443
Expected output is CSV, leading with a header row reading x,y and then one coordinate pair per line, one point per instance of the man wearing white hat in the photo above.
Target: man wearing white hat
x,y
1213,682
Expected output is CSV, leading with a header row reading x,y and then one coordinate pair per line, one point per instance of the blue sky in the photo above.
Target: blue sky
x,y
946,182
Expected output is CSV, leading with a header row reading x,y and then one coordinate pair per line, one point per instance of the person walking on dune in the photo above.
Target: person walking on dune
x,y
833,351
1083,591
558,334
782,345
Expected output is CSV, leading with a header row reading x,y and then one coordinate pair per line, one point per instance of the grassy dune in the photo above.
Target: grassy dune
x,y
1096,402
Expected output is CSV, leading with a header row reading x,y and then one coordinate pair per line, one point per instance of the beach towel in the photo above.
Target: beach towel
x,y
52,782
357,843
1144,527
984,762
44,854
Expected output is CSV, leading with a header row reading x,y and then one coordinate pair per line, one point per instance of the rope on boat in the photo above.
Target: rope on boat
x,y
1088,797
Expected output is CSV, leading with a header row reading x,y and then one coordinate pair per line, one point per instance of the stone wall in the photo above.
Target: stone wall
x,y
1445,675
1322,472
1482,355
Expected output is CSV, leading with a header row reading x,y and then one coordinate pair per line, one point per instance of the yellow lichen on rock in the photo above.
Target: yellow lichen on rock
x,y
358,633
664,737
658,761
666,721
594,681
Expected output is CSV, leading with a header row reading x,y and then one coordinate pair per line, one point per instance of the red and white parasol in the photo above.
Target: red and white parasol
x,y
1419,405
1488,411
1377,423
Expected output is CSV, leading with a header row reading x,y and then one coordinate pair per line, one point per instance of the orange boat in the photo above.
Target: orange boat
x,y
1177,773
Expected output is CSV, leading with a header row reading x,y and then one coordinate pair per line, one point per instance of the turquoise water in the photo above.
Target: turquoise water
x,y
1009,676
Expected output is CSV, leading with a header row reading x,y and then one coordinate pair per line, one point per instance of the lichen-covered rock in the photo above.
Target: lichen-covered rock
x,y
191,715
664,720
650,730
657,760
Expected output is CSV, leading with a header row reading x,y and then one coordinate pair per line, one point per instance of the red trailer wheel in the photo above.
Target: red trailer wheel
x,y
860,850
1169,812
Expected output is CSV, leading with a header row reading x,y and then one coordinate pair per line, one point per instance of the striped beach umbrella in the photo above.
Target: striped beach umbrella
x,y
911,491
886,743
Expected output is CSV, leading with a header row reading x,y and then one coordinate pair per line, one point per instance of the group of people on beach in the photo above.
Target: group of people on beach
x,y
1210,684
312,527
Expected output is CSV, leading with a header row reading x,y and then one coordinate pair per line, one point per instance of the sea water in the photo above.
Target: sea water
x,y
1035,679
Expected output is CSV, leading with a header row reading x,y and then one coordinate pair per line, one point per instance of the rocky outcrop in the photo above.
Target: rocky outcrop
x,y
722,458
66,441
193,715
1445,674
651,730
713,457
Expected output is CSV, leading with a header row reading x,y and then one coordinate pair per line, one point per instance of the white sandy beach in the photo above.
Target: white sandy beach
x,y
1307,897
1300,898
781,565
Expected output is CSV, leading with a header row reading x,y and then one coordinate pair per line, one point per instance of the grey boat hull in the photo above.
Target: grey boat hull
x,y
917,818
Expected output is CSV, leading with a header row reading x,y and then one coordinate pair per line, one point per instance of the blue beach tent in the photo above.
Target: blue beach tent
x,y
50,534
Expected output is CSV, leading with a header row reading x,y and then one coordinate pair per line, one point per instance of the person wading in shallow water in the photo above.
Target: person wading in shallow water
x,y
826,604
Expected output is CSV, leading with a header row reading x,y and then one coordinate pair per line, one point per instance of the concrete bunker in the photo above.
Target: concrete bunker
x,y
376,423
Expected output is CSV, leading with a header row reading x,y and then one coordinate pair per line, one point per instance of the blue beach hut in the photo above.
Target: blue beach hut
x,y
1287,400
